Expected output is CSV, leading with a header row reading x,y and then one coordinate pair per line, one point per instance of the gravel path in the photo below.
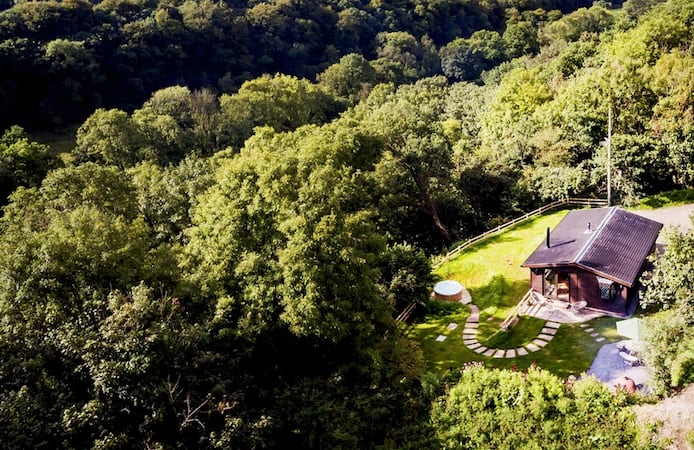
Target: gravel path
x,y
671,217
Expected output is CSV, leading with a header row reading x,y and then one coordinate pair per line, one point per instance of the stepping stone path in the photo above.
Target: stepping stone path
x,y
594,334
546,335
471,342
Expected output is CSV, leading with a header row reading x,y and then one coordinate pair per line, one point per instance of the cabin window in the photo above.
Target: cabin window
x,y
609,290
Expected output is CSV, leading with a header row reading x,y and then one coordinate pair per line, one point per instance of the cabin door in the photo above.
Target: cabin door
x,y
556,285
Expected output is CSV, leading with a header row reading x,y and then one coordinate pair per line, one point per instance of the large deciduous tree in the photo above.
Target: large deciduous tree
x,y
414,173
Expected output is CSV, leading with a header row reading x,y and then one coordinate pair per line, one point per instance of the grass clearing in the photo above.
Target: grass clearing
x,y
669,198
492,274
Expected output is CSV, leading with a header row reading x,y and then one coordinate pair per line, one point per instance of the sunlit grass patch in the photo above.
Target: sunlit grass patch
x,y
492,274
520,334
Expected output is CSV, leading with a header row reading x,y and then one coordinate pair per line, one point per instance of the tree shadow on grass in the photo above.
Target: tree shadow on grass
x,y
499,294
669,198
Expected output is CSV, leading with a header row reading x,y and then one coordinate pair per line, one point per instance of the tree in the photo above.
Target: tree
x,y
406,276
673,115
64,246
109,137
417,155
167,196
22,162
351,78
520,38
401,58
466,59
282,102
572,26
286,248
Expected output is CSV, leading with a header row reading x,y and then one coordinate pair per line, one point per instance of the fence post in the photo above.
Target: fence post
x,y
538,211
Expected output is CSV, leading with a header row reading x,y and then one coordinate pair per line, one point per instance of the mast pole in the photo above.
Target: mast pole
x,y
609,155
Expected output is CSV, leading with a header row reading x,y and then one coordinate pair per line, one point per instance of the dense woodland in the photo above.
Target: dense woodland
x,y
257,188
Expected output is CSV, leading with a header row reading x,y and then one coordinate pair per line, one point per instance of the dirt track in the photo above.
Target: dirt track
x,y
676,416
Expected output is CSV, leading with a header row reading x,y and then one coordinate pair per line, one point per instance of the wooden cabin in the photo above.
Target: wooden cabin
x,y
594,256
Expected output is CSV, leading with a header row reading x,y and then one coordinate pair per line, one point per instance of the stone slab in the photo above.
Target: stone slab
x,y
521,351
551,331
600,339
594,335
532,347
551,324
499,354
474,346
545,337
441,338
472,324
469,342
511,353
452,326
589,330
490,352
539,342
481,349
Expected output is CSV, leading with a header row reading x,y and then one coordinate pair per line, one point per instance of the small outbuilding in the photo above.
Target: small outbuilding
x,y
594,256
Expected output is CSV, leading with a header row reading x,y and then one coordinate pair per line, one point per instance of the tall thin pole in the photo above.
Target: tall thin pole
x,y
609,155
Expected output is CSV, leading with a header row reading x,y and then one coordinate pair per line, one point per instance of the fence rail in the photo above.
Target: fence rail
x,y
409,309
515,312
517,220
406,313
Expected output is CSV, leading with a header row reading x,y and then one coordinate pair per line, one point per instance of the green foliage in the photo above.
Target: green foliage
x,y
350,79
22,162
108,137
406,275
670,339
490,408
281,102
167,196
582,21
154,296
520,38
466,59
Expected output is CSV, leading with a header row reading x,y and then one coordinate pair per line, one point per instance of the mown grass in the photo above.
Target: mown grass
x,y
669,198
492,273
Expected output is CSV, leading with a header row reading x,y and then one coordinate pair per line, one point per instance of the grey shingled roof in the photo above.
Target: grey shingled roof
x,y
615,248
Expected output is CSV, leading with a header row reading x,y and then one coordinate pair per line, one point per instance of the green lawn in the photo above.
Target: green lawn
x,y
491,272
669,198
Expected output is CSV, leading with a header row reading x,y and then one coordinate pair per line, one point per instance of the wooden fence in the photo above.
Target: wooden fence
x,y
407,312
515,313
517,220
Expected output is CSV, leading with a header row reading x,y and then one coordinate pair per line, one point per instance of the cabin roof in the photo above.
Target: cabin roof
x,y
613,246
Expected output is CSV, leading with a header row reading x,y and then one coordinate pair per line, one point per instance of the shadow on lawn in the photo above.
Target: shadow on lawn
x,y
499,294
669,198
